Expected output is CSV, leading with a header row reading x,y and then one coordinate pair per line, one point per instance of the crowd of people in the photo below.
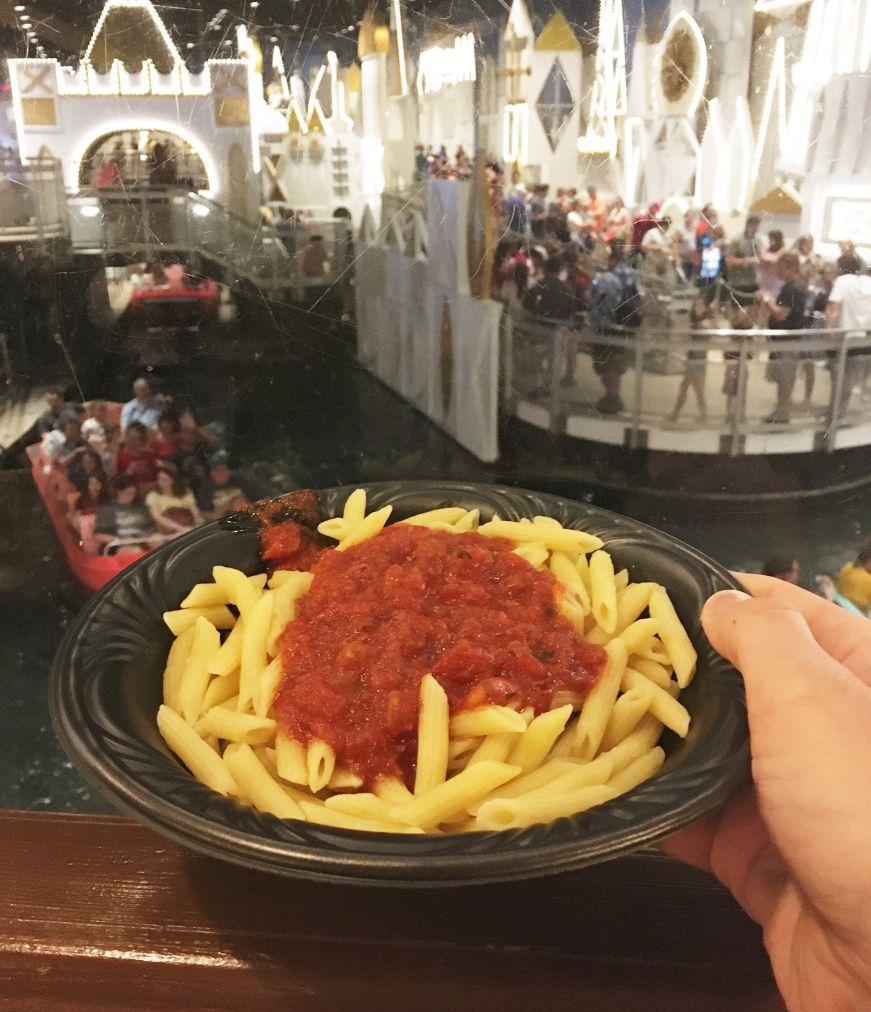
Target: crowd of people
x,y
130,477
576,259
851,589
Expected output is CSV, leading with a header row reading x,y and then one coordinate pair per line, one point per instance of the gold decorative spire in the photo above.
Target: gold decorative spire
x,y
557,35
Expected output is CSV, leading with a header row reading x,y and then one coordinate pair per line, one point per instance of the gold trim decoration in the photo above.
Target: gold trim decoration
x,y
780,200
480,242
446,356
557,36
232,112
38,112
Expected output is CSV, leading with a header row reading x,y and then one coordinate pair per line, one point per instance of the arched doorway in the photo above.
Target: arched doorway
x,y
131,157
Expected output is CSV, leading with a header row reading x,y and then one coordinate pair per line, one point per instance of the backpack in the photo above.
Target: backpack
x,y
629,309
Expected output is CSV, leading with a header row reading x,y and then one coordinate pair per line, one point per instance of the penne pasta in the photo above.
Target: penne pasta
x,y
454,795
290,759
253,661
638,637
176,666
186,618
662,705
244,728
517,813
627,712
443,518
210,595
257,785
468,522
284,600
603,591
432,736
194,752
320,761
600,702
318,812
365,529
567,573
637,772
267,687
537,740
495,747
678,646
486,720
240,591
487,767
228,657
557,540
192,687
658,673
535,553
392,790
220,690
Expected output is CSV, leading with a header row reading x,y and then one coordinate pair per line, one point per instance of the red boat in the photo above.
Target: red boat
x,y
91,569
176,299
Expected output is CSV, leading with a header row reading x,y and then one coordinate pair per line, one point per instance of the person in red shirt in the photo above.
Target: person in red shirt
x,y
167,440
642,223
136,457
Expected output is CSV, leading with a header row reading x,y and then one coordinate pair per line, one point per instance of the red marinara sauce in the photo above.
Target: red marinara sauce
x,y
384,613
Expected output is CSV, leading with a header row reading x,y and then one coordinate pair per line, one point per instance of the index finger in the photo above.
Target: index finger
x,y
845,637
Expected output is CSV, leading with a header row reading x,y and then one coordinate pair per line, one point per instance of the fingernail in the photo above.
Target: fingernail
x,y
725,599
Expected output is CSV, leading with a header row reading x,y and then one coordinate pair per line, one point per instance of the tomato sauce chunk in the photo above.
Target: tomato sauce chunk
x,y
411,601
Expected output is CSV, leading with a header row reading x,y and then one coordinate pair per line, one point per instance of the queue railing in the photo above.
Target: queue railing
x,y
32,201
550,369
152,221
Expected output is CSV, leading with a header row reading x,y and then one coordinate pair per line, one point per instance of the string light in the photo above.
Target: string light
x,y
440,67
776,91
400,48
515,133
608,101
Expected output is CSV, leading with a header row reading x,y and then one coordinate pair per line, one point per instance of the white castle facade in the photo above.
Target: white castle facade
x,y
756,103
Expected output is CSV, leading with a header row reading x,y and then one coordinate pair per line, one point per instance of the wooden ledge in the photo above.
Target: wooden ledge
x,y
97,912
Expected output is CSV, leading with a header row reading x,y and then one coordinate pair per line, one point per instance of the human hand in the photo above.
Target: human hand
x,y
794,848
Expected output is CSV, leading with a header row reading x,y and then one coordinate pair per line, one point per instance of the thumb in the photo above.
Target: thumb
x,y
808,719
788,677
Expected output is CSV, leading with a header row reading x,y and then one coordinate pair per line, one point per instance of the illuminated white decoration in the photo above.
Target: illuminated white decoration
x,y
340,120
278,68
689,101
141,5
86,81
633,151
400,48
608,100
515,133
440,66
315,111
837,41
372,166
777,6
774,108
296,116
90,211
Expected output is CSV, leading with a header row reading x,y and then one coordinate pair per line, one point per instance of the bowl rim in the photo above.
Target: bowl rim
x,y
350,856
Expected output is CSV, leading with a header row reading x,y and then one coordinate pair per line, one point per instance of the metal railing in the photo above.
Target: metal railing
x,y
32,200
553,372
148,223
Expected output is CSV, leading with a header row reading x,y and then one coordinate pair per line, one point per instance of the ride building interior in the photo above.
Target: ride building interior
x,y
592,249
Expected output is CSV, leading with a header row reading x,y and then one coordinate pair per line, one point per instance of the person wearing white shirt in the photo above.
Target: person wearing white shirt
x,y
849,307
144,408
